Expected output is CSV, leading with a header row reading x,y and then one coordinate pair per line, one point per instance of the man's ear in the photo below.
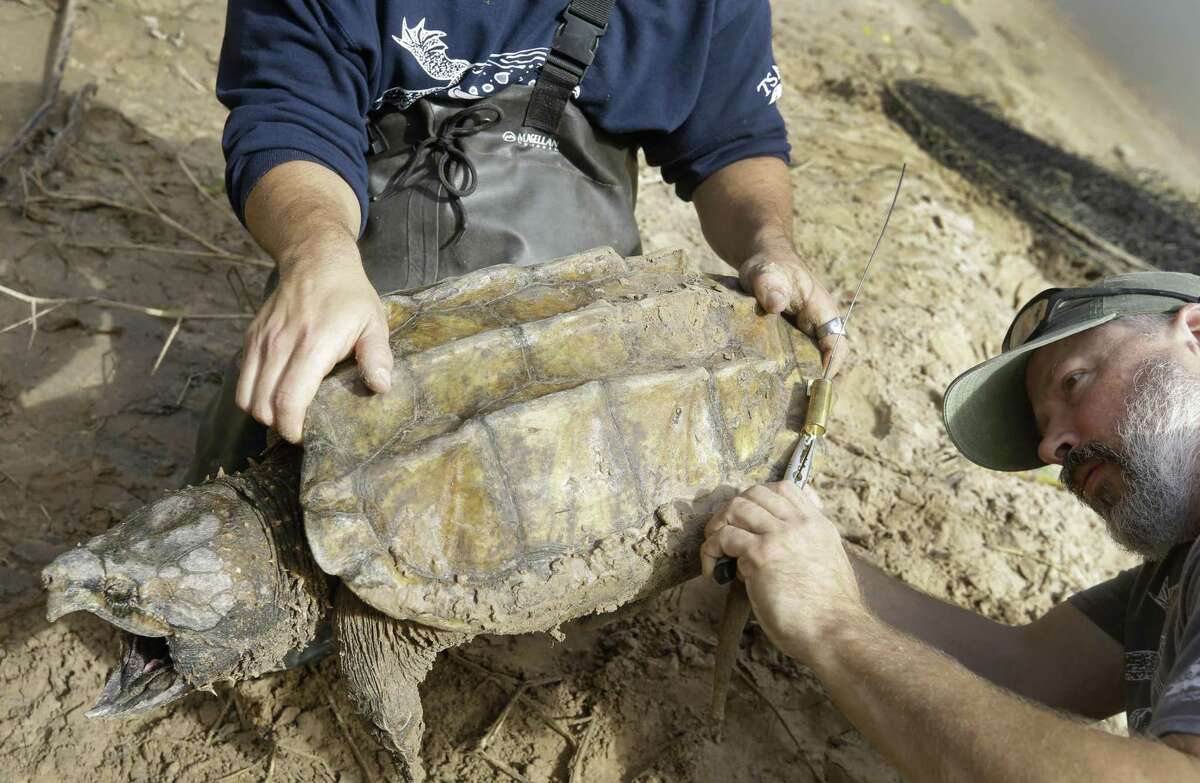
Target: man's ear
x,y
1187,322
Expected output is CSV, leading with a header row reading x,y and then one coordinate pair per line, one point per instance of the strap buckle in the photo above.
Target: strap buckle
x,y
575,43
378,143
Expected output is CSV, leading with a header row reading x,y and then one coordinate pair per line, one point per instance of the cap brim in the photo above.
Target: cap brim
x,y
987,410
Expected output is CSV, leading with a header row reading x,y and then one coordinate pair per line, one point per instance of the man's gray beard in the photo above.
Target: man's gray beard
x,y
1159,455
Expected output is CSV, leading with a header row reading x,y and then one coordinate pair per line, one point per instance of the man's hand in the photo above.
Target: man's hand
x,y
924,712
745,211
781,283
321,312
324,308
790,556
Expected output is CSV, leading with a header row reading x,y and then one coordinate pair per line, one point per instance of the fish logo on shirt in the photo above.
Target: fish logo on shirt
x,y
429,49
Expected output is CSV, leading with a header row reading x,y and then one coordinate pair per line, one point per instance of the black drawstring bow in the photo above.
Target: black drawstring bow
x,y
450,160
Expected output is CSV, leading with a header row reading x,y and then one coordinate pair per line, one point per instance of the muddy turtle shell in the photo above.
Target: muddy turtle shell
x,y
538,418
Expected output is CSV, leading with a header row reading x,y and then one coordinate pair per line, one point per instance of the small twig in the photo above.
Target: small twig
x,y
337,716
243,770
51,150
37,314
187,172
216,724
745,674
494,729
163,216
187,77
240,292
577,721
33,316
171,251
271,764
166,345
540,711
240,710
24,193
485,671
692,635
183,392
55,64
577,759
24,489
500,766
550,722
218,252
310,756
501,677
165,313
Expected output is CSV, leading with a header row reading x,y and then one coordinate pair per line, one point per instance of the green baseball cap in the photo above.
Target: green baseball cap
x,y
987,410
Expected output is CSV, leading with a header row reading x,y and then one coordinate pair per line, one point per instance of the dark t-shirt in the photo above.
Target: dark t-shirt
x,y
694,84
1154,612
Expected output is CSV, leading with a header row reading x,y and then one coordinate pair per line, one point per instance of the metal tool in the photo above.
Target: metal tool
x,y
820,403
800,466
799,471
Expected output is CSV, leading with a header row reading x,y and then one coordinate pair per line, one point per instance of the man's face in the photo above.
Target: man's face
x,y
1119,410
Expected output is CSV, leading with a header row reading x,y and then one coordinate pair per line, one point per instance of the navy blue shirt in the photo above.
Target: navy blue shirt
x,y
692,82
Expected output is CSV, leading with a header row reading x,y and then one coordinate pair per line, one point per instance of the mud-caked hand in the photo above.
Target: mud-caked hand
x,y
790,556
782,283
323,310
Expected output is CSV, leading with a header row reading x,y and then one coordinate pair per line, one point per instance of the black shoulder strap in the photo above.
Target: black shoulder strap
x,y
573,50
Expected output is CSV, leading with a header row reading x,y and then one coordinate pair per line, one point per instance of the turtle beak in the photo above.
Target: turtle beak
x,y
77,581
146,678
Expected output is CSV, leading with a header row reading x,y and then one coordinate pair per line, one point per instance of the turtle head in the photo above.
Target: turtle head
x,y
157,573
159,576
209,583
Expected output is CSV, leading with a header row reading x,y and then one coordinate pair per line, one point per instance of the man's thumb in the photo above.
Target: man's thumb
x,y
771,290
374,356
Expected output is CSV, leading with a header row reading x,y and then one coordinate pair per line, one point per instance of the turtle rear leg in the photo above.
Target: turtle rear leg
x,y
383,661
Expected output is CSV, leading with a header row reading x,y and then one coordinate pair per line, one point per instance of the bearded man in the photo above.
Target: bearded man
x,y
1102,381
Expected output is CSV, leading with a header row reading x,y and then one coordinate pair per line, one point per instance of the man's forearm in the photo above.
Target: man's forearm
x,y
1062,660
746,209
324,308
301,212
935,720
972,639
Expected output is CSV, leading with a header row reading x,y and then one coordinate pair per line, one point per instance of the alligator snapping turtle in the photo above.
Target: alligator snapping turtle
x,y
554,438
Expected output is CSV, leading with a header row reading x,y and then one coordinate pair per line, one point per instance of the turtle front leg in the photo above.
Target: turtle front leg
x,y
383,661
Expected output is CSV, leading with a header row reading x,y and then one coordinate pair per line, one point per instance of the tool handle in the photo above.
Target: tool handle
x,y
733,625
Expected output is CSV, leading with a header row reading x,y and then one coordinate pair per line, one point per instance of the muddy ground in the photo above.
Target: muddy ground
x,y
134,212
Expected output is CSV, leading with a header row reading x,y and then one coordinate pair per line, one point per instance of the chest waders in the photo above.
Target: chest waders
x,y
456,186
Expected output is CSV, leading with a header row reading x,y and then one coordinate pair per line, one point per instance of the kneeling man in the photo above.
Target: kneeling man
x,y
1104,381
